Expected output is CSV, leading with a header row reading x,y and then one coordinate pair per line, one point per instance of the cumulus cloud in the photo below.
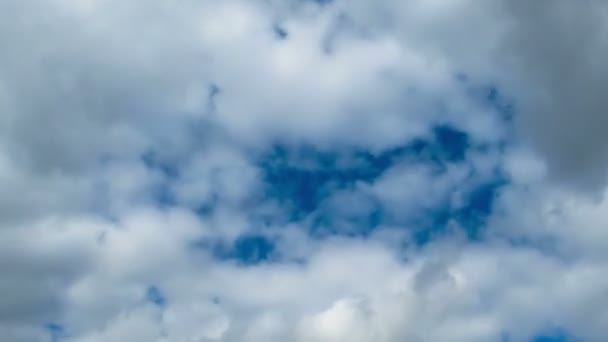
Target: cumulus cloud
x,y
302,171
557,49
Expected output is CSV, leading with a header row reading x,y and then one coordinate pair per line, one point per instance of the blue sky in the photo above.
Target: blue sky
x,y
306,171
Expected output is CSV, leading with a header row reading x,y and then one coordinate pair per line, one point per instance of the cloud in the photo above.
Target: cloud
x,y
302,171
555,50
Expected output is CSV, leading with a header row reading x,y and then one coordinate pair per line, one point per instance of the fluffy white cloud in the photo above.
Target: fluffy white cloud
x,y
132,138
347,291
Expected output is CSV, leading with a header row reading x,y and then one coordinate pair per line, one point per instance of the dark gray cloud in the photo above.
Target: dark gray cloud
x,y
556,49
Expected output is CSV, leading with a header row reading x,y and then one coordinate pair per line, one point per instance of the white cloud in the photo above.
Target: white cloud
x,y
106,106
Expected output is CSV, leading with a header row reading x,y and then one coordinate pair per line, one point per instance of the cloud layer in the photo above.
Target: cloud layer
x,y
303,171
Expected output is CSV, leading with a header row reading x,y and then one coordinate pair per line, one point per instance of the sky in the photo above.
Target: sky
x,y
303,171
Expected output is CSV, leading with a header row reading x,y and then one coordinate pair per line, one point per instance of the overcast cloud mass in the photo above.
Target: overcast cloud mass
x,y
301,170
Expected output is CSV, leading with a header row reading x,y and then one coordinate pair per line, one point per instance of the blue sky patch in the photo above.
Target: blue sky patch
x,y
550,339
490,96
479,204
162,193
496,100
451,144
248,250
555,335
279,32
300,178
155,296
56,331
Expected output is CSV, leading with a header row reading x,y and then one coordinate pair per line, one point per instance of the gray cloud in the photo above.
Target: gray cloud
x,y
122,122
556,49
